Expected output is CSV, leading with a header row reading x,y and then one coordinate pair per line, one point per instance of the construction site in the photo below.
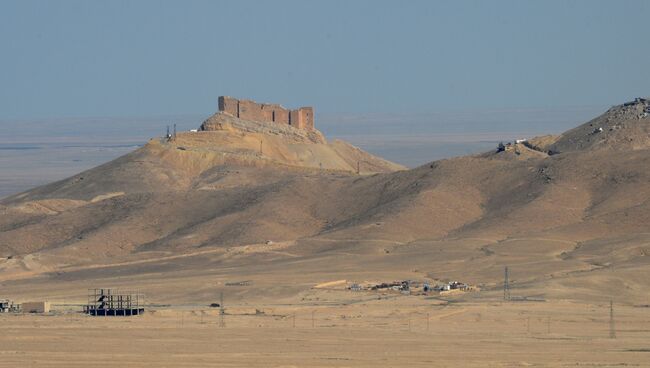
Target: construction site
x,y
109,302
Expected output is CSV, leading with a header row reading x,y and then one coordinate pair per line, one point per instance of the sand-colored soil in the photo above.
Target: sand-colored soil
x,y
384,333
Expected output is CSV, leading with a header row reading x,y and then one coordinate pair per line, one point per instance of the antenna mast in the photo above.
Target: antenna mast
x,y
222,311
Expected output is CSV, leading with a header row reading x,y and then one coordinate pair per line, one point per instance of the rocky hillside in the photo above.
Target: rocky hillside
x,y
584,205
623,127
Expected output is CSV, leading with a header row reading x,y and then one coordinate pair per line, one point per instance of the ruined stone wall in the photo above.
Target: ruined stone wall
x,y
306,118
229,105
250,110
275,113
302,118
294,118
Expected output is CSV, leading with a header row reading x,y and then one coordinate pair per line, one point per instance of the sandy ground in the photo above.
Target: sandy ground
x,y
405,331
281,319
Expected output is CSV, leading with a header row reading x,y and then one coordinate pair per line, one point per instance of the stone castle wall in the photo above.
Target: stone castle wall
x,y
302,118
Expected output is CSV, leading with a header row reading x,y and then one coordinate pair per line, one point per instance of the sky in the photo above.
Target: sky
x,y
152,58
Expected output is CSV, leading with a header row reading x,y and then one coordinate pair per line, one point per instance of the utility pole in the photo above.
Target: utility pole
x,y
261,147
358,167
409,322
506,285
222,311
174,131
612,327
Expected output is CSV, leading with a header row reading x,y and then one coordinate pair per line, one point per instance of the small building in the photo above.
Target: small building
x,y
8,306
35,307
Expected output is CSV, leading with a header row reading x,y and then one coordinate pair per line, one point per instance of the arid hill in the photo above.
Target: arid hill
x,y
229,179
246,198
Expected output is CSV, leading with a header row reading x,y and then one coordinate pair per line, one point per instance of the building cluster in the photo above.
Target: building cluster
x,y
101,302
512,146
413,287
9,306
452,285
114,302
395,285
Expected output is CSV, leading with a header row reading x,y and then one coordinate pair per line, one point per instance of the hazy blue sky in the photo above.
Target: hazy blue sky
x,y
125,58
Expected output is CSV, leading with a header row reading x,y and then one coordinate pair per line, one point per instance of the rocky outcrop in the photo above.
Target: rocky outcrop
x,y
622,127
223,121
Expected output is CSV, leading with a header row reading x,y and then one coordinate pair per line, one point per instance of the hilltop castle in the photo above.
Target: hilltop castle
x,y
302,118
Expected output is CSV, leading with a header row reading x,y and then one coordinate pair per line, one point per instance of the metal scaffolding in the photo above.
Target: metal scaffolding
x,y
113,302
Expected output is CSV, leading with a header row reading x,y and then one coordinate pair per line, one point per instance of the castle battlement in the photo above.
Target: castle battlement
x,y
302,118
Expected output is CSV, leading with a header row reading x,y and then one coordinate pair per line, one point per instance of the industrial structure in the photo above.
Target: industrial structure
x,y
112,302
